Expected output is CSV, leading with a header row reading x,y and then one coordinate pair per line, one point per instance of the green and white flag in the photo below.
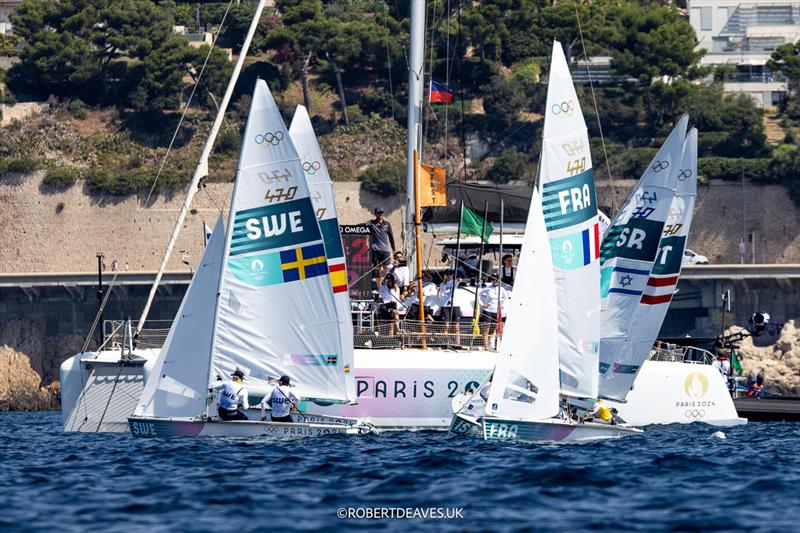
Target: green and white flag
x,y
474,224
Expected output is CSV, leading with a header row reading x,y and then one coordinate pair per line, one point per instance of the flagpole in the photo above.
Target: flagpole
x,y
476,313
499,271
205,236
455,262
420,299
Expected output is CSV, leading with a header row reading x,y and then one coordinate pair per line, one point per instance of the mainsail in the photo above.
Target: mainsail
x,y
319,184
628,253
525,382
276,313
179,385
570,212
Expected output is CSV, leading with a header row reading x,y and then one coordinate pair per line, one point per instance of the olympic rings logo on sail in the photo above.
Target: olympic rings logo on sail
x,y
658,166
684,174
311,167
564,109
273,138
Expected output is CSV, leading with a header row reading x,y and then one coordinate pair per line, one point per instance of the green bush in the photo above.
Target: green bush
x,y
3,166
229,142
511,165
730,168
22,165
99,181
385,179
77,109
61,178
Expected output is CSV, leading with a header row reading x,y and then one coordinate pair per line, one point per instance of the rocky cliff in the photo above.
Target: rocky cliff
x,y
779,360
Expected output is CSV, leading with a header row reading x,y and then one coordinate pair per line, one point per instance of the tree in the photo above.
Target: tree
x,y
502,99
511,165
786,60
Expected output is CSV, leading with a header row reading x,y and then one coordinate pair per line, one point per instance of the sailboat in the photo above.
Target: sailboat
x,y
549,348
262,301
628,254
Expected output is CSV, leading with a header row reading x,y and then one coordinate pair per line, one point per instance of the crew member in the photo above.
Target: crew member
x,y
602,411
507,271
232,394
722,364
382,243
282,400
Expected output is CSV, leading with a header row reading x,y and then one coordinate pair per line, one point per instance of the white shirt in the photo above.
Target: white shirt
x,y
464,299
724,367
281,401
231,394
446,292
388,295
489,299
401,275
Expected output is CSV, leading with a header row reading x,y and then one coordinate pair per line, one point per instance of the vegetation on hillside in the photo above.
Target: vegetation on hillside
x,y
346,61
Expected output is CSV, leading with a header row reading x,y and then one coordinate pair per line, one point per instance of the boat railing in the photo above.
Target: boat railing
x,y
663,351
369,333
152,336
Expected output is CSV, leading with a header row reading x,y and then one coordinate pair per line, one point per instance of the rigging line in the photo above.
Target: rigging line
x,y
461,94
422,107
216,204
389,69
186,107
447,78
596,110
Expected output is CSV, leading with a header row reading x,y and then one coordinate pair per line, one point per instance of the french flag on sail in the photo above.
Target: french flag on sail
x,y
591,244
440,94
659,290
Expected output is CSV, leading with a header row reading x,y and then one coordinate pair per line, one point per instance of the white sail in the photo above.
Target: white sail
x,y
319,184
179,383
663,280
570,211
276,314
627,256
525,384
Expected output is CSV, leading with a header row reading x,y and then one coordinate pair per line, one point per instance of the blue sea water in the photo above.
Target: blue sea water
x,y
671,478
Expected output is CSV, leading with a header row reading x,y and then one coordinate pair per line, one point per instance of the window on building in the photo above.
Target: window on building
x,y
705,19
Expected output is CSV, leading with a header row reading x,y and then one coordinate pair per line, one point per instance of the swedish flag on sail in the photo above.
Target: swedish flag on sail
x,y
303,263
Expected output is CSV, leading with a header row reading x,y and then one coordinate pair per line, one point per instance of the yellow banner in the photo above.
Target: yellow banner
x,y
432,189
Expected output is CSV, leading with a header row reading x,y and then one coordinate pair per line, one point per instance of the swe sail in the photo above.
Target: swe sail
x,y
321,188
276,313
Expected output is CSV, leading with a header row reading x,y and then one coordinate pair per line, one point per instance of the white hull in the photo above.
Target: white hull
x,y
668,392
412,389
175,427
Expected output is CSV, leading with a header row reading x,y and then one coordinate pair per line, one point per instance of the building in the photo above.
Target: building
x,y
6,8
743,36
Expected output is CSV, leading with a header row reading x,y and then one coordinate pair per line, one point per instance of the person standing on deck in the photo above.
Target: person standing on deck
x,y
492,298
382,243
232,393
282,400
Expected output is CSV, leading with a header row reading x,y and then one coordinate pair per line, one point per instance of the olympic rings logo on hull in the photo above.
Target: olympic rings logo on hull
x,y
695,414
273,138
564,109
311,167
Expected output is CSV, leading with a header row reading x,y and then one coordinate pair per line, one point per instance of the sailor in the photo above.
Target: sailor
x,y
232,393
722,364
282,400
603,412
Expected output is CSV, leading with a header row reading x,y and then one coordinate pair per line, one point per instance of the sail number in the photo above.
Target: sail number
x,y
577,197
143,429
576,166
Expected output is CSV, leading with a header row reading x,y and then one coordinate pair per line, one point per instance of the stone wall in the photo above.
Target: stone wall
x,y
722,217
45,230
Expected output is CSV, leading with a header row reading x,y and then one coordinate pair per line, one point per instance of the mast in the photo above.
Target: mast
x,y
202,166
415,94
418,246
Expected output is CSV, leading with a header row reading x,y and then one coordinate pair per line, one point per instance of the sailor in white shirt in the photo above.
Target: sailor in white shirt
x,y
402,274
232,394
492,297
281,400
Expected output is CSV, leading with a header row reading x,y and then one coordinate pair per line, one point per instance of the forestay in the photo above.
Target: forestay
x,y
276,311
179,383
525,384
321,188
570,212
628,253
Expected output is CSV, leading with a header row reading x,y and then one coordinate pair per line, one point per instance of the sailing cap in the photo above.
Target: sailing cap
x,y
377,210
284,380
237,374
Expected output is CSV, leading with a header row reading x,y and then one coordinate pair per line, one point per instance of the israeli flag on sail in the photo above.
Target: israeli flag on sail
x,y
623,280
